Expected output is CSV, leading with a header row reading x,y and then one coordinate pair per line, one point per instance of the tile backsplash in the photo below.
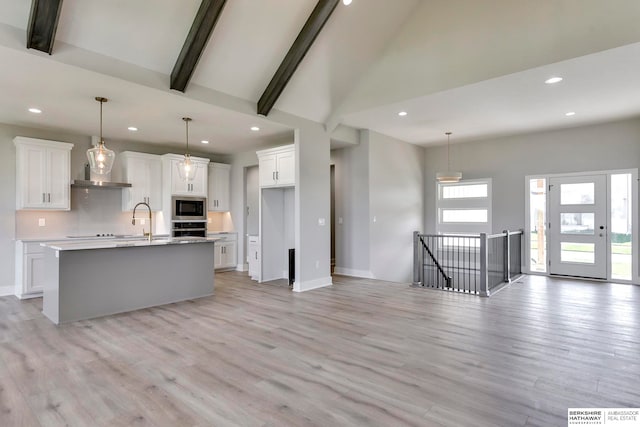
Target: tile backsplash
x,y
93,211
96,211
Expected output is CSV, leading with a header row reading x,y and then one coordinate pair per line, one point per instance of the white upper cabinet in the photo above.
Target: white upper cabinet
x,y
180,187
277,166
219,187
43,176
144,173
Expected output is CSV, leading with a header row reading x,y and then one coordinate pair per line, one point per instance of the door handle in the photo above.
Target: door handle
x,y
602,227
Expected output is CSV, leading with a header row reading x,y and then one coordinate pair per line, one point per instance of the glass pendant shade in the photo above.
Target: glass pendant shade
x,y
448,176
187,168
100,157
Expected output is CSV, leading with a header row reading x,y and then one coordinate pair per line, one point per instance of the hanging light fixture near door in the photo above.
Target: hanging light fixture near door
x,y
448,176
100,157
186,168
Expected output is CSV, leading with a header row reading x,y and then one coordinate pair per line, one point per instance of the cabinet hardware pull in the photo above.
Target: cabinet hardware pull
x,y
256,254
43,200
49,196
277,175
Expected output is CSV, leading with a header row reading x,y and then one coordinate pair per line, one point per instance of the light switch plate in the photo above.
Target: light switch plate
x,y
321,221
42,222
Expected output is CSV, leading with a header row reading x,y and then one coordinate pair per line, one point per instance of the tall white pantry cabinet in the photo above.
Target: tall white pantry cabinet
x,y
276,176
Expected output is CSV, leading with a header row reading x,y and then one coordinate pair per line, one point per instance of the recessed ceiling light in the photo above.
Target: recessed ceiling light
x,y
35,110
346,2
132,128
570,113
255,128
204,141
553,80
402,113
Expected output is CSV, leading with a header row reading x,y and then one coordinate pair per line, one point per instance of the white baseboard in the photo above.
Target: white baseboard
x,y
242,267
312,284
365,274
6,290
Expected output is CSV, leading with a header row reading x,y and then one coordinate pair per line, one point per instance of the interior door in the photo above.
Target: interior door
x,y
578,226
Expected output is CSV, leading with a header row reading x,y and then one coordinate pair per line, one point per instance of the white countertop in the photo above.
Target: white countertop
x,y
70,245
117,237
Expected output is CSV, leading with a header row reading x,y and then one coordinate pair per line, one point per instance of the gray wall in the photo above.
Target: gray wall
x,y
396,202
379,196
313,241
508,160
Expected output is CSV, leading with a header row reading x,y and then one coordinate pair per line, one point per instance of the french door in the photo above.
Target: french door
x,y
578,226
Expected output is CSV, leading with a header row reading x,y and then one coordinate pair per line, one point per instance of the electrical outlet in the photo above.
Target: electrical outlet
x,y
208,220
142,221
42,222
317,264
321,221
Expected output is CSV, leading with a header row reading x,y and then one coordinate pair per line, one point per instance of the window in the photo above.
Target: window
x,y
464,207
538,222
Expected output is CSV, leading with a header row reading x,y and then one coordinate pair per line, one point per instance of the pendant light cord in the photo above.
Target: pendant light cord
x,y
448,152
101,100
101,140
186,121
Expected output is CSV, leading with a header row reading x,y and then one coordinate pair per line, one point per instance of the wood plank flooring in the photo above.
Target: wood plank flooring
x,y
360,353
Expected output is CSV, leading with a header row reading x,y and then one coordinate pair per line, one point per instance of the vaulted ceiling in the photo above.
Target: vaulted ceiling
x,y
473,67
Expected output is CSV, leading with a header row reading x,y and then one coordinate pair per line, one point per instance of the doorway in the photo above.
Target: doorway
x,y
252,208
583,225
578,226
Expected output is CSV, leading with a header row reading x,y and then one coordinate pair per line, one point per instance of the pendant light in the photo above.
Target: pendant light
x,y
186,168
100,157
448,176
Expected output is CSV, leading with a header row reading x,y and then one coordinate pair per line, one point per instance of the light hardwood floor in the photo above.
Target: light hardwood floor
x,y
362,353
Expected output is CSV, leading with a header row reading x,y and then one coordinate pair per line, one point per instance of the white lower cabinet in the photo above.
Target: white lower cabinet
x,y
253,257
225,256
29,279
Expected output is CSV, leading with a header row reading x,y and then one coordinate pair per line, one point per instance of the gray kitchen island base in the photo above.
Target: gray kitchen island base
x,y
83,284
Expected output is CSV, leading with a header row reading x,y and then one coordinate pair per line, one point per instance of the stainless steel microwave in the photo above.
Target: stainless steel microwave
x,y
188,208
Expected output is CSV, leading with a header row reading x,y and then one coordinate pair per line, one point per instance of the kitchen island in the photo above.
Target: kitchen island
x,y
92,279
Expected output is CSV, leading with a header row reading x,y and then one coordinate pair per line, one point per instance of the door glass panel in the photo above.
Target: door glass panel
x,y
621,230
583,253
577,223
582,193
537,218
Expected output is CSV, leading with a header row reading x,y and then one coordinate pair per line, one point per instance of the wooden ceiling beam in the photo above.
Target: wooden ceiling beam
x,y
43,23
199,34
298,50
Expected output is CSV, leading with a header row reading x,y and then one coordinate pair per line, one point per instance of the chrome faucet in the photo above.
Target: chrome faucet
x,y
133,220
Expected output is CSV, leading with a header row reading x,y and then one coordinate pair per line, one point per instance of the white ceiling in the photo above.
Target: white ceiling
x,y
473,68
596,87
